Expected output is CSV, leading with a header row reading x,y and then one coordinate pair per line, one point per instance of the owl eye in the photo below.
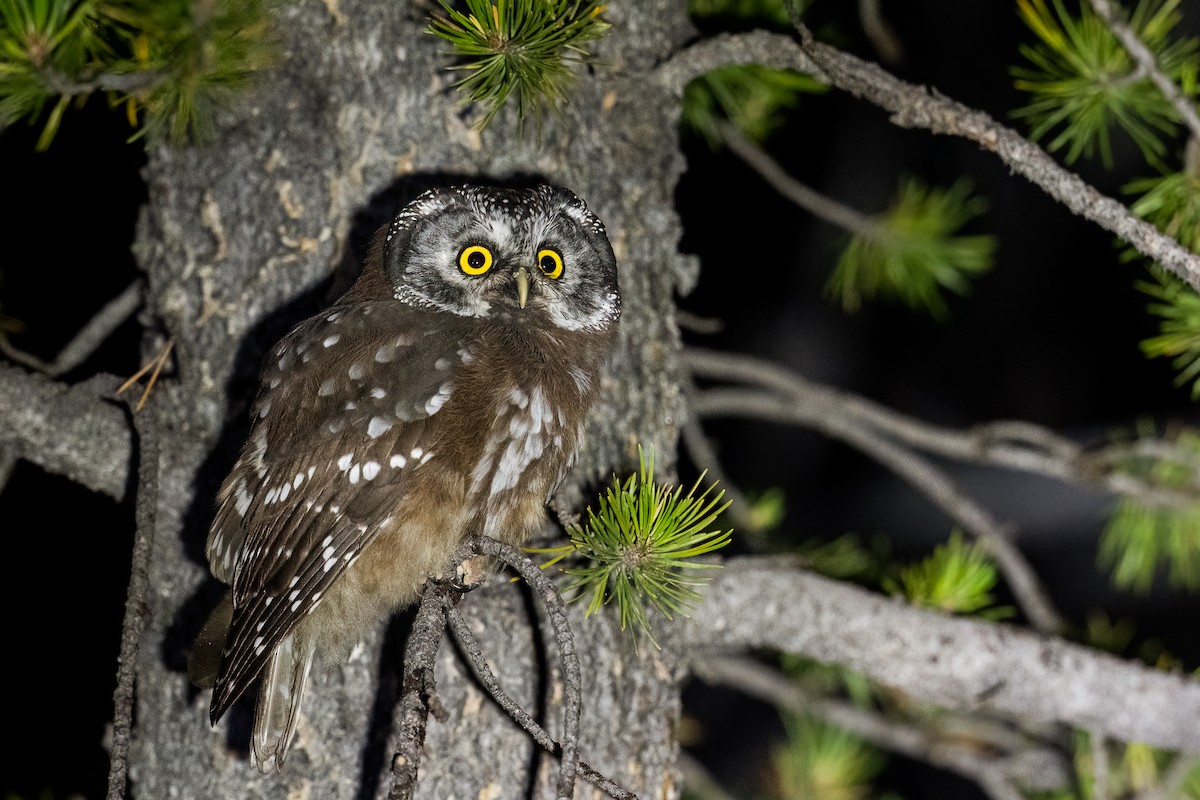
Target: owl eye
x,y
475,260
550,263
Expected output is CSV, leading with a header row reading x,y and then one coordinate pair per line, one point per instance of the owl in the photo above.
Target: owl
x,y
442,396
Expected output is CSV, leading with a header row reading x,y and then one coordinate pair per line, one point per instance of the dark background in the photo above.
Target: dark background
x,y
1050,336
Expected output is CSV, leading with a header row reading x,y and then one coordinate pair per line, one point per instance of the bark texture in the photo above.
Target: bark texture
x,y
244,237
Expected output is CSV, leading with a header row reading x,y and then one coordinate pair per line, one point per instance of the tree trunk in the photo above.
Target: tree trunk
x,y
244,237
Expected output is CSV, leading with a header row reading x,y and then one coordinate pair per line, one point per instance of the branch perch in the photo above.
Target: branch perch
x,y
952,662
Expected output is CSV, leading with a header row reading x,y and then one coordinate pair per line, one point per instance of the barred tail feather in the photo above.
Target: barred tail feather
x,y
279,698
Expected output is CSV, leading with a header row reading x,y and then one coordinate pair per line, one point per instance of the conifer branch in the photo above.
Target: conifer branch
x,y
995,760
995,538
135,603
952,662
66,430
913,106
518,714
1137,49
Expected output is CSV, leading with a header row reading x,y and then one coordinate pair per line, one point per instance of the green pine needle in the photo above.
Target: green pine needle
x,y
958,578
1083,82
640,545
1142,537
520,48
917,253
819,760
170,62
1178,307
752,97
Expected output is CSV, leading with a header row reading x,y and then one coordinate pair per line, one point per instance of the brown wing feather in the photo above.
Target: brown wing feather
x,y
339,423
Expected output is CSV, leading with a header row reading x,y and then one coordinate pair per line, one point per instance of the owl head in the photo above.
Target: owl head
x,y
524,257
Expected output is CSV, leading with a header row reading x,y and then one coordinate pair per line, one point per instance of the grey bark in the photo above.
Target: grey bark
x,y
241,238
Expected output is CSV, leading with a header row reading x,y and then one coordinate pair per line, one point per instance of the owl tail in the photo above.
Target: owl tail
x,y
279,699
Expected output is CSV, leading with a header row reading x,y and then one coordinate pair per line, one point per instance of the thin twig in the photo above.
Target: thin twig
x,y
93,334
418,687
811,201
519,715
1011,444
556,612
1148,64
883,38
828,418
991,762
135,601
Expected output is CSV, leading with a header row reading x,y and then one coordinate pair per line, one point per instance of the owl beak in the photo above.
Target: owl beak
x,y
522,277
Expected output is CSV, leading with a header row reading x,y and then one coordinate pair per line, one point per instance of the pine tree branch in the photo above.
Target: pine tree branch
x,y
66,430
918,107
952,662
1148,64
832,419
136,609
519,715
87,340
987,762
817,204
556,612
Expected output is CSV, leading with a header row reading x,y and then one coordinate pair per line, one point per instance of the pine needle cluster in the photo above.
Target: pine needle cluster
x,y
819,760
1083,82
957,578
519,48
916,252
1145,536
640,546
754,98
170,62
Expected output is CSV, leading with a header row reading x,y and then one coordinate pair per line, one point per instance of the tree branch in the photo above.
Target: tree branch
x,y
817,204
952,662
135,602
917,107
418,687
556,612
519,715
87,340
832,420
1145,59
987,762
67,430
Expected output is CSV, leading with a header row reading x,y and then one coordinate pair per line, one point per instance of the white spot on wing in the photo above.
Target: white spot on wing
x,y
370,470
345,461
331,340
435,403
397,461
378,426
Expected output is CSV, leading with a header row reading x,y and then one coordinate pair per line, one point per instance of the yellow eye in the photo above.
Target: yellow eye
x,y
550,263
475,260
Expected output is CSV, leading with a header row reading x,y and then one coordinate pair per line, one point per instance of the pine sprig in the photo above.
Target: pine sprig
x,y
819,760
1083,82
752,97
957,578
1178,307
520,48
917,252
1144,537
640,544
170,62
